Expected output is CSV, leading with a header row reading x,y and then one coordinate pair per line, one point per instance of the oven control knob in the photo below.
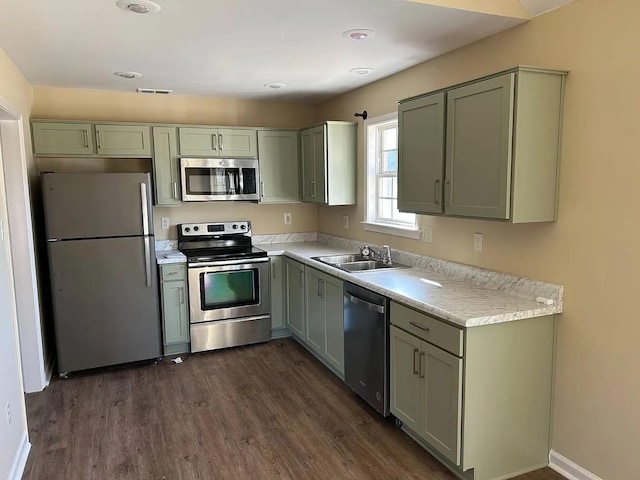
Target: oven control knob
x,y
187,229
235,227
244,227
196,228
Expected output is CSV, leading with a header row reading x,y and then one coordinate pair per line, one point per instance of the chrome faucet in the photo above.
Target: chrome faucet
x,y
384,256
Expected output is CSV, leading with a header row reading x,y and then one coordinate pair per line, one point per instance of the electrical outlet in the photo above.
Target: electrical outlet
x,y
8,414
287,219
426,234
477,242
165,223
345,221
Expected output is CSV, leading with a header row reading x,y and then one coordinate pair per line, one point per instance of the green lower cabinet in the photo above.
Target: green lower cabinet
x,y
478,399
295,313
60,138
278,304
175,311
315,310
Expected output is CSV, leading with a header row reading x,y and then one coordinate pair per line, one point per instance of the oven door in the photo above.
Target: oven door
x,y
210,179
229,289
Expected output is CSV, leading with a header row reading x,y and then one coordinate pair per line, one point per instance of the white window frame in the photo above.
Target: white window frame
x,y
372,221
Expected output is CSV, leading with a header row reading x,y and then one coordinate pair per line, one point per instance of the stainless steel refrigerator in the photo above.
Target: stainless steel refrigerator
x,y
102,265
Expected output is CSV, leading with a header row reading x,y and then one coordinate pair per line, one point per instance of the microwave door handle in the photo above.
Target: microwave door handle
x,y
241,178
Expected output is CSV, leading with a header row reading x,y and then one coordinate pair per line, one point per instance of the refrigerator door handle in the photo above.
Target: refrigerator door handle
x,y
145,209
147,261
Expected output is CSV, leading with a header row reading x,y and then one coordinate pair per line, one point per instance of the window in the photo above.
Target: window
x,y
382,213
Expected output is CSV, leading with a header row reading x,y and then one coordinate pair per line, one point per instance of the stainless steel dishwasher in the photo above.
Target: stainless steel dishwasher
x,y
366,345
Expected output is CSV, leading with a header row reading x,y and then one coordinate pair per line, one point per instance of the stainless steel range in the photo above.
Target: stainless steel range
x,y
228,278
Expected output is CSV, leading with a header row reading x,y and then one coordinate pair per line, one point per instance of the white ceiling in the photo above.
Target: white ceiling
x,y
231,48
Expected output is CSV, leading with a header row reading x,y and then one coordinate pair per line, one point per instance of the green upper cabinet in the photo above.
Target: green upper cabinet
x,y
218,142
501,149
479,143
123,140
58,138
329,163
421,148
279,160
166,175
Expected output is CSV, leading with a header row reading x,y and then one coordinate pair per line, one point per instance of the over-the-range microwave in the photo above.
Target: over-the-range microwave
x,y
210,179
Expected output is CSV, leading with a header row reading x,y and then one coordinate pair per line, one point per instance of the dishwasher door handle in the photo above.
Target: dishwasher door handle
x,y
363,303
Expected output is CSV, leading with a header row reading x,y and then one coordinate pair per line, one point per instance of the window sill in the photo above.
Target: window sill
x,y
389,230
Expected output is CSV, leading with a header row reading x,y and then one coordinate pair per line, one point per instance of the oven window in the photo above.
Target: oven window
x,y
229,289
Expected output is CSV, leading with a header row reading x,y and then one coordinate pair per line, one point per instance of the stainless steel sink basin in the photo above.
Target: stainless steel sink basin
x,y
356,263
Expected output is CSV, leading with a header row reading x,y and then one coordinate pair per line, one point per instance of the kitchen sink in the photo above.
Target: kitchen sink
x,y
356,263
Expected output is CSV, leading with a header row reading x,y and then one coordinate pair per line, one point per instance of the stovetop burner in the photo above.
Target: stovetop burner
x,y
208,242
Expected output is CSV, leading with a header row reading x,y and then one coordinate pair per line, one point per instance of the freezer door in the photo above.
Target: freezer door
x,y
92,205
105,297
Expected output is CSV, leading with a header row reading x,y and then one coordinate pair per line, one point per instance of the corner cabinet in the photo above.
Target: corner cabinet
x,y
279,161
328,163
175,312
453,388
218,142
485,149
166,170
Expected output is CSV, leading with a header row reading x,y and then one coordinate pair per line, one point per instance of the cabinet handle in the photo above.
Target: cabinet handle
x,y
420,372
175,190
436,191
98,138
417,325
86,139
181,296
313,189
447,193
301,278
273,270
415,368
220,142
215,141
172,273
321,288
261,189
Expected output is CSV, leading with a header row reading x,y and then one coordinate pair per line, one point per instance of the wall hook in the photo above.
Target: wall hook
x,y
363,114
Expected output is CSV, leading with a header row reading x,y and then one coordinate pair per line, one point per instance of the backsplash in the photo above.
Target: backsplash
x,y
286,237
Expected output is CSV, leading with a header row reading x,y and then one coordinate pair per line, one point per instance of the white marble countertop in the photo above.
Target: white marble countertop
x,y
169,256
460,302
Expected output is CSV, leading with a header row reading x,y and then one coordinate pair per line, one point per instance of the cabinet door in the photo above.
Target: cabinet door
x,y
421,154
278,166
315,310
479,148
334,323
308,164
175,320
295,297
198,142
237,143
124,140
277,293
407,389
62,138
442,418
165,166
320,164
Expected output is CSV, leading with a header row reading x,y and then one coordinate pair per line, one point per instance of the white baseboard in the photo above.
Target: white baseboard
x,y
20,460
568,469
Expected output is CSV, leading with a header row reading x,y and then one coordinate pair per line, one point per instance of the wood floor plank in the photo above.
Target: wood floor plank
x,y
263,412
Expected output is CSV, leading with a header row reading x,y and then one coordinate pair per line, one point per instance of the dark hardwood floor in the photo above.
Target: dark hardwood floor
x,y
268,411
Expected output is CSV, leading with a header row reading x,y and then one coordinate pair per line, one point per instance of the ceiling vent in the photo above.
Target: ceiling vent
x,y
154,90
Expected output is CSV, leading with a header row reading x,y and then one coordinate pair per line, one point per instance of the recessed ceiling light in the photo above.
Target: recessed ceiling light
x,y
139,6
128,75
358,34
361,71
275,86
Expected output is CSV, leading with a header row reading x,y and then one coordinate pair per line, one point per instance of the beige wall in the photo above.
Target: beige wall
x,y
75,104
593,249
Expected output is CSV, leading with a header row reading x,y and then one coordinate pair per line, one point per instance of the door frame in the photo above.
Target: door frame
x,y
35,372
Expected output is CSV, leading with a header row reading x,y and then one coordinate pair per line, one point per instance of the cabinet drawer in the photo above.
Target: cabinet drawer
x,y
432,330
173,272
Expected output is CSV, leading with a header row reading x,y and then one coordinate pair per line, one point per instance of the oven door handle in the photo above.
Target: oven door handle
x,y
229,262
